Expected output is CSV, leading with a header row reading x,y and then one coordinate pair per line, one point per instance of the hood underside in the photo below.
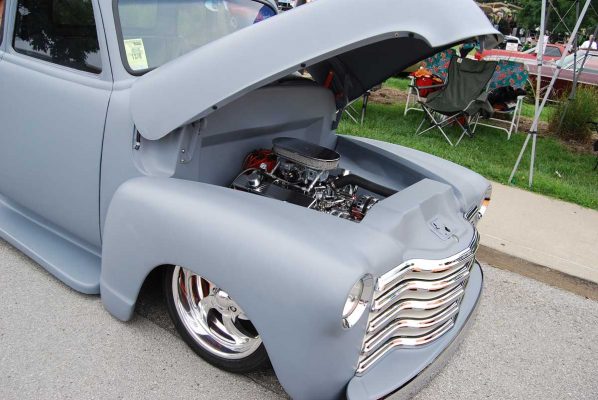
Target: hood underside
x,y
360,43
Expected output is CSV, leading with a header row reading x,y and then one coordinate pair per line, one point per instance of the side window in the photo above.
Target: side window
x,y
552,51
59,31
1,20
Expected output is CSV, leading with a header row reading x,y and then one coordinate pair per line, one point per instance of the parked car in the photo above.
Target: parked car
x,y
510,43
171,136
552,52
564,82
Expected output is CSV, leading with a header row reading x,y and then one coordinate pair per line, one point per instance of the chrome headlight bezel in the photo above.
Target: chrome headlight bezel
x,y
357,301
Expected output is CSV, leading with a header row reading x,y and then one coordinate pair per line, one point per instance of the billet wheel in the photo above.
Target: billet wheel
x,y
212,323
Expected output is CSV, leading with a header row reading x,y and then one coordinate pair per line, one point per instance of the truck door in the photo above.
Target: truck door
x,y
55,85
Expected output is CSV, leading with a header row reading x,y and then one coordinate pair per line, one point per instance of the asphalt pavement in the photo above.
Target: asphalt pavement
x,y
529,341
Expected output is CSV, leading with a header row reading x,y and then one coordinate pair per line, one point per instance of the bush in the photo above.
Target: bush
x,y
578,112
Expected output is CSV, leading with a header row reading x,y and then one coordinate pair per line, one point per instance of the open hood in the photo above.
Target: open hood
x,y
363,42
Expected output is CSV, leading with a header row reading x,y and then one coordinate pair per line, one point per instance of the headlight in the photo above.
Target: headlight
x,y
357,301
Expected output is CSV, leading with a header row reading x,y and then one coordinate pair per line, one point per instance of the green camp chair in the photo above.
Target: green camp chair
x,y
463,97
438,65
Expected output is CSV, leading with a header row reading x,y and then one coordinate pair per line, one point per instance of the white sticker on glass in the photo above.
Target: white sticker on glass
x,y
135,52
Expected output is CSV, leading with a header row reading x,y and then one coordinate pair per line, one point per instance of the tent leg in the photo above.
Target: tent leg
x,y
519,158
533,160
540,105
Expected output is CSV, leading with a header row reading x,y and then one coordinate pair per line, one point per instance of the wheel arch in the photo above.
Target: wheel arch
x,y
271,257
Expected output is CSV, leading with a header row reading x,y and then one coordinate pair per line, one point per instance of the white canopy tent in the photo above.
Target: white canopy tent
x,y
539,106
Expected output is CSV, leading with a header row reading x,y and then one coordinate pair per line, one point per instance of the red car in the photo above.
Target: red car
x,y
552,52
588,76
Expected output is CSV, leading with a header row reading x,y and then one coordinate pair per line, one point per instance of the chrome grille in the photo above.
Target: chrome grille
x,y
415,304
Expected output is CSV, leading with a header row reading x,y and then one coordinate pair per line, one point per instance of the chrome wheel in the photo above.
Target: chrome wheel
x,y
211,318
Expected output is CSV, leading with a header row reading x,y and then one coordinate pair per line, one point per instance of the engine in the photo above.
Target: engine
x,y
308,175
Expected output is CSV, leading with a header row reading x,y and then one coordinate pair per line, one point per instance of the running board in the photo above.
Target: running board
x,y
72,264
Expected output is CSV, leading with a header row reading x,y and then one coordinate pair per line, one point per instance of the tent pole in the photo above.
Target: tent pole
x,y
534,132
540,56
534,128
533,159
519,158
539,61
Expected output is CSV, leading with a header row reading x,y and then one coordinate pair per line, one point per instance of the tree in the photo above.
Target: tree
x,y
62,30
529,16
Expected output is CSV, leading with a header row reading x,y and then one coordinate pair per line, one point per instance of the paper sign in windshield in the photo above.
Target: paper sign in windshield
x,y
512,47
135,52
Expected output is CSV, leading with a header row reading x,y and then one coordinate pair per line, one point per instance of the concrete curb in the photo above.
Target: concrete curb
x,y
541,273
545,231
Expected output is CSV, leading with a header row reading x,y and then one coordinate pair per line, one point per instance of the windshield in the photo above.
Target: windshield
x,y
154,32
590,65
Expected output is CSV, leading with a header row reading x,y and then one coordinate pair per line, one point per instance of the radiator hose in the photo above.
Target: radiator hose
x,y
373,187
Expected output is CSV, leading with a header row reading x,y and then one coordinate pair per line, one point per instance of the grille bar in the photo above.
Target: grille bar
x,y
420,323
403,342
415,304
390,296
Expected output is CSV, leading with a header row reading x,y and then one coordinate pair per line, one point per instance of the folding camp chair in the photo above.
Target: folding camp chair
x,y
461,99
515,75
438,65
358,116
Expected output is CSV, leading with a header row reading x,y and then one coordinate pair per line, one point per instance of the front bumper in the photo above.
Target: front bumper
x,y
404,372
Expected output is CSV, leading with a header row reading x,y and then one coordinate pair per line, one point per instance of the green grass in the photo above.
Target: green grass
x,y
398,83
529,111
560,173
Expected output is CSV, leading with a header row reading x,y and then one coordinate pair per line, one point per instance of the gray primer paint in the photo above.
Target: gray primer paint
x,y
77,198
308,265
372,39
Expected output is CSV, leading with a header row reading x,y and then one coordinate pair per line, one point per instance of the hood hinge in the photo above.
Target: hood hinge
x,y
189,138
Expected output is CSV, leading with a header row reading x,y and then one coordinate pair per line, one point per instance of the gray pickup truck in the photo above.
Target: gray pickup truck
x,y
177,136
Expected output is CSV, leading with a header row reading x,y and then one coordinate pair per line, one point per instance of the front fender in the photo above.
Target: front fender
x,y
289,268
469,187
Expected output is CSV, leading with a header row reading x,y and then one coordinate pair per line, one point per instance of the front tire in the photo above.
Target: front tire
x,y
212,323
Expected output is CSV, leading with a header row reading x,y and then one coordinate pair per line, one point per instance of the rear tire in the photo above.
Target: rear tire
x,y
212,323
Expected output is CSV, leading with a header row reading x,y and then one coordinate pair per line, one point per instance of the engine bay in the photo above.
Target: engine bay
x,y
308,175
